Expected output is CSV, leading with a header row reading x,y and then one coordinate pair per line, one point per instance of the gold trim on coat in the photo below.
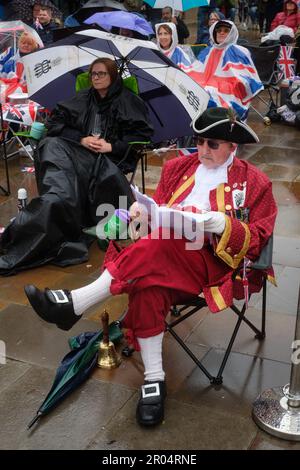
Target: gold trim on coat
x,y
181,189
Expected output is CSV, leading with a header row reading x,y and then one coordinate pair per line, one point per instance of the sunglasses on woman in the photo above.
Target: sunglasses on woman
x,y
212,144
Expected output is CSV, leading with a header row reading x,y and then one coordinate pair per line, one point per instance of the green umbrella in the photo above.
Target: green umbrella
x,y
76,366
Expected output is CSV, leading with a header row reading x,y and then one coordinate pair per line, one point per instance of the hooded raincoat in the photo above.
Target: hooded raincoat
x,y
176,53
227,73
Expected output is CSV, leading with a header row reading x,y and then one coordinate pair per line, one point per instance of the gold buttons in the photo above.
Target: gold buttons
x,y
185,178
235,256
228,207
227,189
228,250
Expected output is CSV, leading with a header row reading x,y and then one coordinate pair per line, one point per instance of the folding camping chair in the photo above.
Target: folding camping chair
x,y
264,262
265,61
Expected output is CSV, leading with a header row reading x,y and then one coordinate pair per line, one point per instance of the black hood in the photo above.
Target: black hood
x,y
114,90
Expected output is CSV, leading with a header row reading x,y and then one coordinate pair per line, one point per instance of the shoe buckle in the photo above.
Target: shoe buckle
x,y
150,390
60,296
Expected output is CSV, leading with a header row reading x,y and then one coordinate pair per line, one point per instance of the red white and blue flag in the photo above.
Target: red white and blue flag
x,y
229,76
187,152
181,59
286,63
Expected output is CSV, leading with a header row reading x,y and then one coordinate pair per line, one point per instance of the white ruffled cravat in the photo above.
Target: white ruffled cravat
x,y
207,179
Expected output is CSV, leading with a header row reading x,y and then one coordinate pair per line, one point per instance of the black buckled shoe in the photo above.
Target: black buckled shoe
x,y
53,306
150,407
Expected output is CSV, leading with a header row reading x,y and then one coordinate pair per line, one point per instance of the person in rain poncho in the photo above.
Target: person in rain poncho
x,y
167,42
14,67
226,70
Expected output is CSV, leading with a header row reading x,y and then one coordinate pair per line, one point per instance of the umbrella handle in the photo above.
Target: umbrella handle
x,y
105,321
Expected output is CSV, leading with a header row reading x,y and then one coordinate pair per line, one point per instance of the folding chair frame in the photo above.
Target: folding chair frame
x,y
269,88
6,191
141,148
264,262
269,81
197,305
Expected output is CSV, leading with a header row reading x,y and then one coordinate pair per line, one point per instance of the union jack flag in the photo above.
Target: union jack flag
x,y
286,63
187,152
229,76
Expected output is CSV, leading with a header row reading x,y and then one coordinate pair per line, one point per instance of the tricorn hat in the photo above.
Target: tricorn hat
x,y
223,124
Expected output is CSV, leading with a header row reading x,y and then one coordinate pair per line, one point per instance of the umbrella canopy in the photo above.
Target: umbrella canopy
x,y
181,5
75,367
121,19
94,6
10,31
173,98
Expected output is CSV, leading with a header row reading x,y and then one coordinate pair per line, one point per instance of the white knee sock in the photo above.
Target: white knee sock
x,y
151,352
91,294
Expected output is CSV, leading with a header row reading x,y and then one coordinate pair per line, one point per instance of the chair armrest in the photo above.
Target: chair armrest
x,y
22,134
139,143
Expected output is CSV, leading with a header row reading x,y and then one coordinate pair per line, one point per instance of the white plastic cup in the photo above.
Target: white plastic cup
x,y
22,198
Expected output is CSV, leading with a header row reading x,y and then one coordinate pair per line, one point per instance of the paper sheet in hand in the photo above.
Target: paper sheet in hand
x,y
162,216
143,199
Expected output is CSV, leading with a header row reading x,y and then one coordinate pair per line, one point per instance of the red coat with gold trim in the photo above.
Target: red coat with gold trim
x,y
248,191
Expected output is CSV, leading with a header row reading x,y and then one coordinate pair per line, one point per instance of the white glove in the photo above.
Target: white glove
x,y
216,223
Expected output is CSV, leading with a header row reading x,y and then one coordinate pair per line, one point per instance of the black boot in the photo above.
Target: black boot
x,y
150,407
53,306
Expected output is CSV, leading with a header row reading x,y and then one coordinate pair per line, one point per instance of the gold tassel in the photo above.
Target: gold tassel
x,y
232,117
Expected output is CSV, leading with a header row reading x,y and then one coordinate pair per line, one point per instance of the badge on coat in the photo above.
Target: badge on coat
x,y
239,197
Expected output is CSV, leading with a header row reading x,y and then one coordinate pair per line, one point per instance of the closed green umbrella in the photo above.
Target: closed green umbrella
x,y
76,367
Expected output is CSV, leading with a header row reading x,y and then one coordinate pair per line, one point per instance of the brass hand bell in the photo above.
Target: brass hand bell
x,y
108,357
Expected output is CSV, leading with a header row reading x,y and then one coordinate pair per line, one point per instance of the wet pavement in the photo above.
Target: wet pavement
x,y
101,413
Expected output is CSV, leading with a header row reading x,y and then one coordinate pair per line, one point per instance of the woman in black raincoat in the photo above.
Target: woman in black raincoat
x,y
121,115
50,228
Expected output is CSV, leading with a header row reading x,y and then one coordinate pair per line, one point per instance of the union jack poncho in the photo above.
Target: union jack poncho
x,y
176,53
228,73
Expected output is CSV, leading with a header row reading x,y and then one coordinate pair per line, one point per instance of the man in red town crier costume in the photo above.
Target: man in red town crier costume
x,y
157,273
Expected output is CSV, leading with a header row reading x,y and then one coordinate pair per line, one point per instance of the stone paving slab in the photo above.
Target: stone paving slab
x,y
284,297
216,330
286,251
288,221
72,425
12,288
30,339
10,372
244,378
274,156
286,192
3,304
185,427
264,441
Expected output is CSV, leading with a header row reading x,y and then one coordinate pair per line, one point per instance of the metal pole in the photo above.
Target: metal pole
x,y
277,410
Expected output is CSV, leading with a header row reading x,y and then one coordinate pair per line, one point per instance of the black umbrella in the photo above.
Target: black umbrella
x,y
94,6
173,98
